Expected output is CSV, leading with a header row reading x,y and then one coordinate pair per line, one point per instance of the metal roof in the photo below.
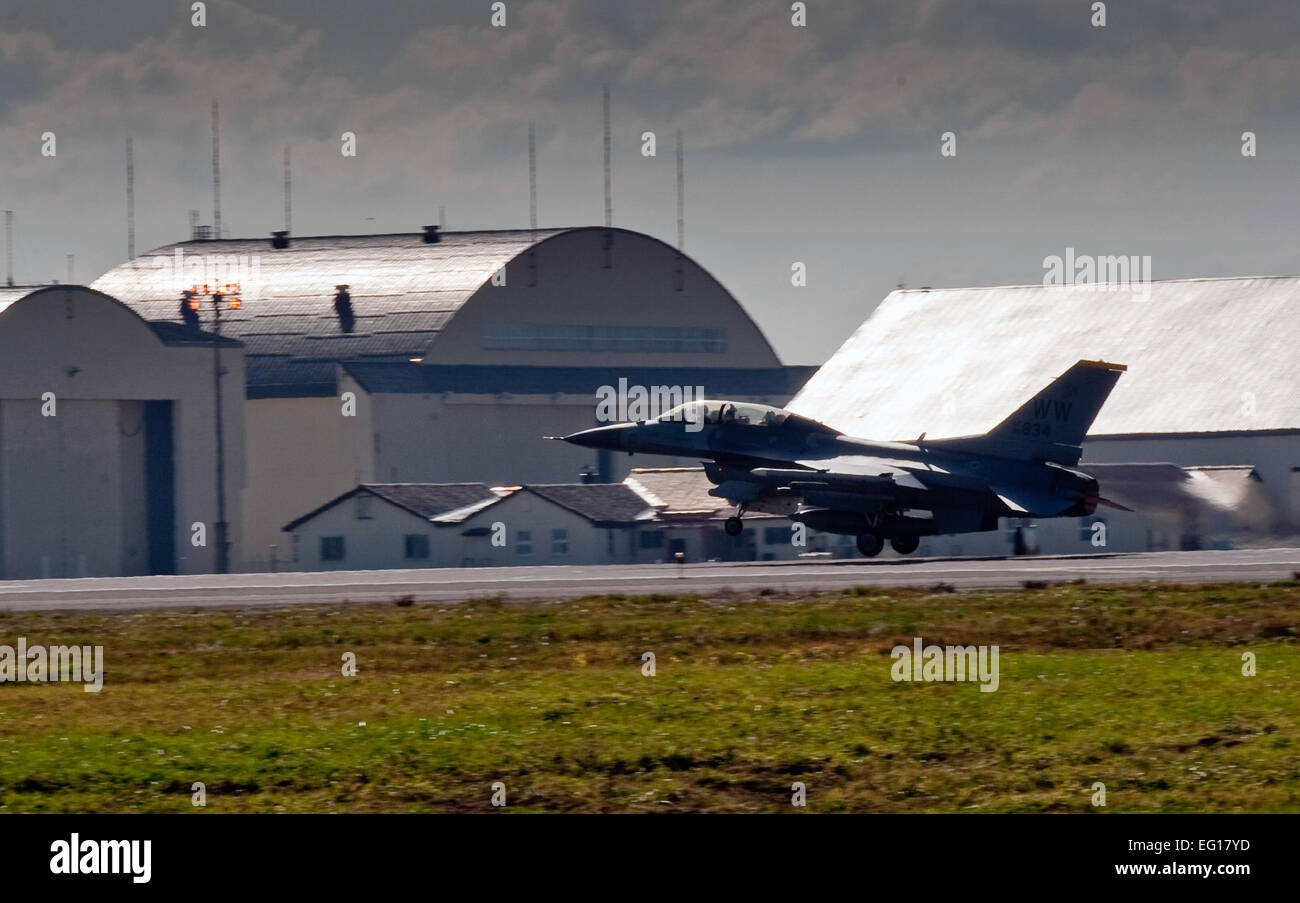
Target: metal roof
x,y
11,293
1203,355
403,292
432,379
168,332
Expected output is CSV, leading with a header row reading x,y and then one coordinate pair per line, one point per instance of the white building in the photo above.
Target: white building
x,y
650,517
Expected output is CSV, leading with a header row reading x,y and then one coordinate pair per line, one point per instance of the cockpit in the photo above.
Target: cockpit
x,y
741,413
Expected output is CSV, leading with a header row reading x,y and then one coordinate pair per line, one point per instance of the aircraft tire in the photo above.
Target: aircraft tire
x,y
870,544
905,545
733,526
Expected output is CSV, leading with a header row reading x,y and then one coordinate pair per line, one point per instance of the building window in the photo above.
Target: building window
x,y
523,542
331,548
417,545
651,539
577,337
775,536
363,506
559,542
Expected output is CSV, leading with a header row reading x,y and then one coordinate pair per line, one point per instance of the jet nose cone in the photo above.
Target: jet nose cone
x,y
600,437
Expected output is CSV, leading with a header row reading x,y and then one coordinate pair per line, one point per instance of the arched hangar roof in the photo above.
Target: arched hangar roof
x,y
1204,356
168,333
404,291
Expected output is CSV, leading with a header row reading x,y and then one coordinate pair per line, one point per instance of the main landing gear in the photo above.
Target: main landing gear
x,y
733,525
905,545
870,544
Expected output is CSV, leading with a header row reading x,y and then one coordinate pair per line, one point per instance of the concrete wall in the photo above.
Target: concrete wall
x,y
488,439
72,485
301,452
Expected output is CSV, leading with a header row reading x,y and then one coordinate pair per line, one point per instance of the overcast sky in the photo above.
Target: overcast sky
x,y
818,144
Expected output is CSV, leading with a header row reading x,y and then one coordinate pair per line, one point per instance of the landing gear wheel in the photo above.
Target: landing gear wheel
x,y
905,545
870,544
733,526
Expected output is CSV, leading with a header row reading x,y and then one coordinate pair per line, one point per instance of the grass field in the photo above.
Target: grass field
x,y
1140,688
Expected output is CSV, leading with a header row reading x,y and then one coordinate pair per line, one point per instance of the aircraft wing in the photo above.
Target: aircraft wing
x,y
867,466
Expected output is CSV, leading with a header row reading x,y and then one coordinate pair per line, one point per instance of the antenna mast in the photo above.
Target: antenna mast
x,y
9,247
288,192
532,177
609,201
216,172
130,199
681,195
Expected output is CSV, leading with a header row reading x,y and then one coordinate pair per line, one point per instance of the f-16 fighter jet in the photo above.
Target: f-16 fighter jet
x,y
766,459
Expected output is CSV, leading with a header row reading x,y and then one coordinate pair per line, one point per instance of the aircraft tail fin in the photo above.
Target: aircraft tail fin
x,y
1050,426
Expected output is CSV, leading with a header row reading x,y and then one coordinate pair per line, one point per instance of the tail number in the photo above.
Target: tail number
x,y
1033,429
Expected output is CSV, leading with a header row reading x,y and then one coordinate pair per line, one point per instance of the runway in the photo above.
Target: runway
x,y
458,584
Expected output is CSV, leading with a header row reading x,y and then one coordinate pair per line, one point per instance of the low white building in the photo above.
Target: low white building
x,y
650,517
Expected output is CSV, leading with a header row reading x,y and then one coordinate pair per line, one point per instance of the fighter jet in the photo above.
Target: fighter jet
x,y
767,459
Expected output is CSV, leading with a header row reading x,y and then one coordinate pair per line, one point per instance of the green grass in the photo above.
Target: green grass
x,y
1137,687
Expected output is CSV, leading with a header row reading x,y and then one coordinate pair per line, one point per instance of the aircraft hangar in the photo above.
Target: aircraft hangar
x,y
108,438
1211,380
441,356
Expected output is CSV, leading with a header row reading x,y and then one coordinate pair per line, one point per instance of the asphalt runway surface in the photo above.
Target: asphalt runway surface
x,y
459,584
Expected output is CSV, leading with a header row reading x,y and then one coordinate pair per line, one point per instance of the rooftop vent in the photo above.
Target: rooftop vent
x,y
431,235
343,307
200,233
280,239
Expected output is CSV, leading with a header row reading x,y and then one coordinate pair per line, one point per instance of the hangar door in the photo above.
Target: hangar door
x,y
86,488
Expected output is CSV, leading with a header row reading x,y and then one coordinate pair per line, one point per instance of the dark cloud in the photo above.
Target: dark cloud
x,y
818,144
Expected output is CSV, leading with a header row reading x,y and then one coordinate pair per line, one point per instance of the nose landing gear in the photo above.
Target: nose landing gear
x,y
733,524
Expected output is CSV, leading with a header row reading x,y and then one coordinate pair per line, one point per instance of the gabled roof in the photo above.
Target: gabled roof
x,y
604,504
680,493
1203,356
424,500
601,503
675,491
